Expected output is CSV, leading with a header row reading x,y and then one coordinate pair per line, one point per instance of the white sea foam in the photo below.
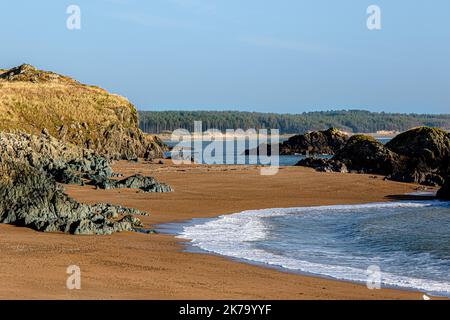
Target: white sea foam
x,y
232,235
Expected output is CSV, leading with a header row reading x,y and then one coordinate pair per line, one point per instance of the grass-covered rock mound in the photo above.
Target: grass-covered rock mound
x,y
84,115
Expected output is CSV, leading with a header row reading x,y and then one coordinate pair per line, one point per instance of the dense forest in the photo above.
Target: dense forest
x,y
352,121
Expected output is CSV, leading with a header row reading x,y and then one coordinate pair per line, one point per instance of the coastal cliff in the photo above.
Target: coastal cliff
x,y
32,100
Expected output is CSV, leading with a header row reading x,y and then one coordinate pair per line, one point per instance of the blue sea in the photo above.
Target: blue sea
x,y
408,241
284,160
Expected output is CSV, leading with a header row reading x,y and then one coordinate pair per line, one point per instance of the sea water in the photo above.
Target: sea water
x,y
408,241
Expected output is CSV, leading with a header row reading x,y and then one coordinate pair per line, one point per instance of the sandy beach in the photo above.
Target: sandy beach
x,y
140,266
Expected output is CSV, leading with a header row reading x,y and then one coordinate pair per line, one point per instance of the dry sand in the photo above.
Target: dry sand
x,y
138,266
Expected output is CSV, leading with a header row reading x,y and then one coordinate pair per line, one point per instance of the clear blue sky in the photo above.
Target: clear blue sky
x,y
256,55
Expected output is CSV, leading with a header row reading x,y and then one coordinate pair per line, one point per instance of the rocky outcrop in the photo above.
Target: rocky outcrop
x,y
364,154
323,165
145,184
31,198
420,155
87,116
317,142
427,151
361,154
64,162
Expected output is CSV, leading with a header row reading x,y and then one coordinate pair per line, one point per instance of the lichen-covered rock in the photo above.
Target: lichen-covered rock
x,y
65,162
420,155
316,142
427,151
146,184
31,198
366,155
361,154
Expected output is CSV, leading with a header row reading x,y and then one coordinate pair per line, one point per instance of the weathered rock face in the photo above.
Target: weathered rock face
x,y
87,116
66,163
366,155
427,151
318,142
323,165
360,154
30,168
444,192
31,198
145,184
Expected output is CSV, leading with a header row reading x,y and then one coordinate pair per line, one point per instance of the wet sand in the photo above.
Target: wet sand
x,y
139,266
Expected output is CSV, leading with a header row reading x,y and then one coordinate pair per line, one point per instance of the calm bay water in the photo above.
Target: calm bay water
x,y
285,160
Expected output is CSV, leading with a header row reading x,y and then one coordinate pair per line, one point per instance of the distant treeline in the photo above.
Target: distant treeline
x,y
351,121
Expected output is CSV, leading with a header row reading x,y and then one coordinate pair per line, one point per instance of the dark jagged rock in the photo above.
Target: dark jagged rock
x,y
420,155
366,155
361,154
146,184
323,165
69,164
444,192
66,163
31,198
317,142
427,151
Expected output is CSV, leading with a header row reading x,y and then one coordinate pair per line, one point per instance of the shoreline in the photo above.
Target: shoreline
x,y
140,266
175,229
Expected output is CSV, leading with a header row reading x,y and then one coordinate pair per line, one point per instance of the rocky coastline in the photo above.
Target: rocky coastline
x,y
45,150
420,155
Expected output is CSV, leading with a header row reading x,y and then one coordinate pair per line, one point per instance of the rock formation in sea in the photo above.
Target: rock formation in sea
x,y
316,142
427,153
84,115
420,155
